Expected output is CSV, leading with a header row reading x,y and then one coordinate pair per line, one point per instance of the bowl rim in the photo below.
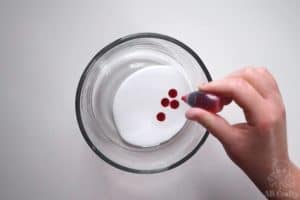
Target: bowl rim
x,y
82,79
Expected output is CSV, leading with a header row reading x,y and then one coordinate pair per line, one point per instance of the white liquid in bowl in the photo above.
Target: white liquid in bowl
x,y
138,101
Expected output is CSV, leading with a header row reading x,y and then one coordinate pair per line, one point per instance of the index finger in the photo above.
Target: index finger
x,y
241,92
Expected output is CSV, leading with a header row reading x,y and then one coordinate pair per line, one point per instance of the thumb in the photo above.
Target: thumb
x,y
214,123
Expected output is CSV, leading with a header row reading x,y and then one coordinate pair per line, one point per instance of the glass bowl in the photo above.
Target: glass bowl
x,y
99,85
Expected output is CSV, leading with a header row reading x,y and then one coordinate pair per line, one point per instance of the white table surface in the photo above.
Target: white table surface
x,y
45,46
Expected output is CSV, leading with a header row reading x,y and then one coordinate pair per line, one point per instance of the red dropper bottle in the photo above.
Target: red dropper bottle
x,y
205,100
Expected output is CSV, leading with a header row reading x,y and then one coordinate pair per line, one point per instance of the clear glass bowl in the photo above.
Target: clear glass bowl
x,y
99,83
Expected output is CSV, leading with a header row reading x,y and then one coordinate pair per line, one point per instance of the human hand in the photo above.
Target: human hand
x,y
256,143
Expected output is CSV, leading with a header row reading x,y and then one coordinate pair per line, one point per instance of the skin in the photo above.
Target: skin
x,y
259,145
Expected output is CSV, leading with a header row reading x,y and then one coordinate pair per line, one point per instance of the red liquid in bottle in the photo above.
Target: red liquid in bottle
x,y
207,101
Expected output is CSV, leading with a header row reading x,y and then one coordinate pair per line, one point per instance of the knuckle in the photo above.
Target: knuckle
x,y
262,70
248,70
267,124
248,67
265,72
270,121
239,83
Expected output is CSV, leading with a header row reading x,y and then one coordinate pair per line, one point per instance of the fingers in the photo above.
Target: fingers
x,y
263,81
260,78
244,94
271,80
274,92
215,124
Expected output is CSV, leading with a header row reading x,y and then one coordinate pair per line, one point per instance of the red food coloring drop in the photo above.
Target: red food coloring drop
x,y
161,116
165,102
174,104
172,93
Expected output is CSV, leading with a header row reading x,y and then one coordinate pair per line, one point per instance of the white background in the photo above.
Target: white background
x,y
45,46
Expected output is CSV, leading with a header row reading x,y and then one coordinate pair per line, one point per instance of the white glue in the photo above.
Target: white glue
x,y
138,101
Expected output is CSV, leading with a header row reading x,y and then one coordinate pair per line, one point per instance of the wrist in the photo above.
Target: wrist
x,y
281,182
